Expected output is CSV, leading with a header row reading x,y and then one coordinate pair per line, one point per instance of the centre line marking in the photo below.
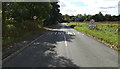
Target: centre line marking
x,y
65,40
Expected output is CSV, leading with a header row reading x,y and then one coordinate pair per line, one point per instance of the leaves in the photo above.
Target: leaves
x,y
18,17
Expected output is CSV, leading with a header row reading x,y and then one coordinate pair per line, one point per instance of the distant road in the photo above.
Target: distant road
x,y
63,46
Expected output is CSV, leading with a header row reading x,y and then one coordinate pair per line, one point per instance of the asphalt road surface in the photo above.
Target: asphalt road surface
x,y
63,46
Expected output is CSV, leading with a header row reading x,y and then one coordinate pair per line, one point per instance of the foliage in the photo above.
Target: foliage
x,y
17,17
97,17
66,18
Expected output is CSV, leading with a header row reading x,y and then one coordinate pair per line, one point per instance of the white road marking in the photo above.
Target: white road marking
x,y
65,40
69,33
65,43
73,33
36,43
55,33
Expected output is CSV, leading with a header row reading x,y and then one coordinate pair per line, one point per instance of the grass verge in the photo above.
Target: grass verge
x,y
13,39
105,32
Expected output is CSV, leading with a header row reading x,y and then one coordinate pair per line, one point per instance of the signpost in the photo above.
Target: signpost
x,y
34,17
92,23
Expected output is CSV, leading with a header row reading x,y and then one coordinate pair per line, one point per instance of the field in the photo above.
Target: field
x,y
106,32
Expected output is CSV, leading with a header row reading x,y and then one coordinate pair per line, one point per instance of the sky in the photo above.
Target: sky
x,y
74,7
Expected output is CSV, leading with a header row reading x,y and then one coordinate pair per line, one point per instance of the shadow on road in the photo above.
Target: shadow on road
x,y
60,27
46,56
42,53
72,26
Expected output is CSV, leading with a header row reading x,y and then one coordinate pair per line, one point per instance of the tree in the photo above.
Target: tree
x,y
98,17
89,17
66,18
18,16
108,17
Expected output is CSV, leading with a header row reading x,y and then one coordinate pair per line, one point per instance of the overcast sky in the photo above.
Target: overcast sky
x,y
74,7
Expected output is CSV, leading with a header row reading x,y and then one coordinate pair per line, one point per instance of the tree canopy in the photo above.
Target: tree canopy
x,y
97,17
17,17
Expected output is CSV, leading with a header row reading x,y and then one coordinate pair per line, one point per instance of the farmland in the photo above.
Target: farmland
x,y
106,32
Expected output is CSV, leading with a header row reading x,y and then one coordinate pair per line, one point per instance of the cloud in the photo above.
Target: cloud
x,y
63,4
93,7
106,7
119,8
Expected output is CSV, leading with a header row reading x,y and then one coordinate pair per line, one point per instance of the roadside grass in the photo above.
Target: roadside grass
x,y
15,34
21,34
104,32
13,39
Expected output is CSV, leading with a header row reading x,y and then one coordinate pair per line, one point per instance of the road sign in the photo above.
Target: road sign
x,y
92,23
34,17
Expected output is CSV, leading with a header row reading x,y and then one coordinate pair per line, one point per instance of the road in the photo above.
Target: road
x,y
63,46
